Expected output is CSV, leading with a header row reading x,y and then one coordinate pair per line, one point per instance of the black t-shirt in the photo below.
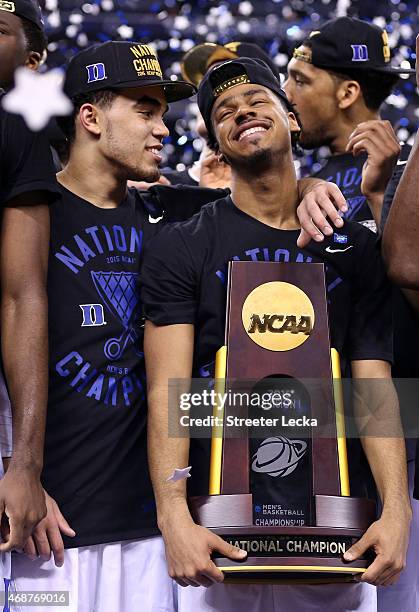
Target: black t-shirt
x,y
25,160
95,449
393,182
180,177
179,202
184,280
346,171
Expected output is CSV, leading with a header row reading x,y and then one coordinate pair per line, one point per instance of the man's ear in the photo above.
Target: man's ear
x,y
347,93
33,60
293,123
89,119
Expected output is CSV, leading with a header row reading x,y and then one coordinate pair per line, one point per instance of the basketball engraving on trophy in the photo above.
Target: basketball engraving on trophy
x,y
278,456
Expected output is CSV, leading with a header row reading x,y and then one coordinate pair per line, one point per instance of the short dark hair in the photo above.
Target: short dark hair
x,y
103,98
288,108
375,86
35,37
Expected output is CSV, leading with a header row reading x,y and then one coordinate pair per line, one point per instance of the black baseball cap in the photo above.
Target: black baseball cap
x,y
197,61
119,65
230,74
349,43
24,8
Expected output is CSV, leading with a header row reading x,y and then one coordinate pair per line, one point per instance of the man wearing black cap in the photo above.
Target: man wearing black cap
x,y
208,171
337,79
23,38
249,120
95,464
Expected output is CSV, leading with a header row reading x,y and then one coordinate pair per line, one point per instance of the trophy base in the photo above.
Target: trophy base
x,y
307,555
291,554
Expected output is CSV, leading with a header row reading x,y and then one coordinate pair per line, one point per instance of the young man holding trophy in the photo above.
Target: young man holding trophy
x,y
184,292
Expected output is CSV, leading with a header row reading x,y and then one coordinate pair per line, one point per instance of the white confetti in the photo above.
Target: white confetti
x,y
125,31
37,97
180,474
245,8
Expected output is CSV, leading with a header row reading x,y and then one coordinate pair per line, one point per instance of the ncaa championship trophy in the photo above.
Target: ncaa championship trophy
x,y
284,499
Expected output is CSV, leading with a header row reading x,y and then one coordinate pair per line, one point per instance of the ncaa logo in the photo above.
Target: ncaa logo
x,y
93,315
96,72
360,53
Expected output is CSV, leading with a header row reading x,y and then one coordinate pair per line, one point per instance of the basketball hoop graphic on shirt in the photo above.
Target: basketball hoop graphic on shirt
x,y
119,292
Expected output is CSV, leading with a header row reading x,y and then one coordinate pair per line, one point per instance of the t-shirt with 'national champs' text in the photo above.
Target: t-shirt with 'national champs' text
x,y
95,463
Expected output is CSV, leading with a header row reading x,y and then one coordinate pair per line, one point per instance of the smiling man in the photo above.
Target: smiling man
x,y
95,463
251,124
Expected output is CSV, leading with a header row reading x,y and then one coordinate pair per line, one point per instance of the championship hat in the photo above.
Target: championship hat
x,y
119,65
229,75
24,8
349,43
196,62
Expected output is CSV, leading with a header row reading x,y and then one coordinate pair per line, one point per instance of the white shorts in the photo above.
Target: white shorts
x,y
283,598
118,577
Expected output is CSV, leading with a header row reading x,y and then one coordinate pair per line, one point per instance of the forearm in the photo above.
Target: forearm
x,y
378,417
400,237
375,204
25,359
165,454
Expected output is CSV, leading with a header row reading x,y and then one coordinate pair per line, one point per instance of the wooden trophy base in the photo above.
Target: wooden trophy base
x,y
288,554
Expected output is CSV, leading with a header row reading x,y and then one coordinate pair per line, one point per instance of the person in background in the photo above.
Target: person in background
x,y
338,79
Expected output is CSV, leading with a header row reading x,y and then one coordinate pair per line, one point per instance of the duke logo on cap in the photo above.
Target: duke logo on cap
x,y
96,72
347,43
120,65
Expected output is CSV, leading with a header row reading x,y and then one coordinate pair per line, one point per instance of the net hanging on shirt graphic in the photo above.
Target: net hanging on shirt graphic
x,y
119,292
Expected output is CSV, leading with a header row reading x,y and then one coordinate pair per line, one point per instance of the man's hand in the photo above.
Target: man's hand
x,y
22,506
388,537
323,202
214,174
46,537
378,139
188,552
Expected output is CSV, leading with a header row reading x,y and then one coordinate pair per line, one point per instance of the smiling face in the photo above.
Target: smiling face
x,y
131,133
251,126
313,91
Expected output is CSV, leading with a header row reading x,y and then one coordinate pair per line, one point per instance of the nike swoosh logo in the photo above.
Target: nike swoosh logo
x,y
151,220
329,250
402,163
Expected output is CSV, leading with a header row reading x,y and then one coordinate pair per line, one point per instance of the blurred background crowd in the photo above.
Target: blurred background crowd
x,y
175,26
